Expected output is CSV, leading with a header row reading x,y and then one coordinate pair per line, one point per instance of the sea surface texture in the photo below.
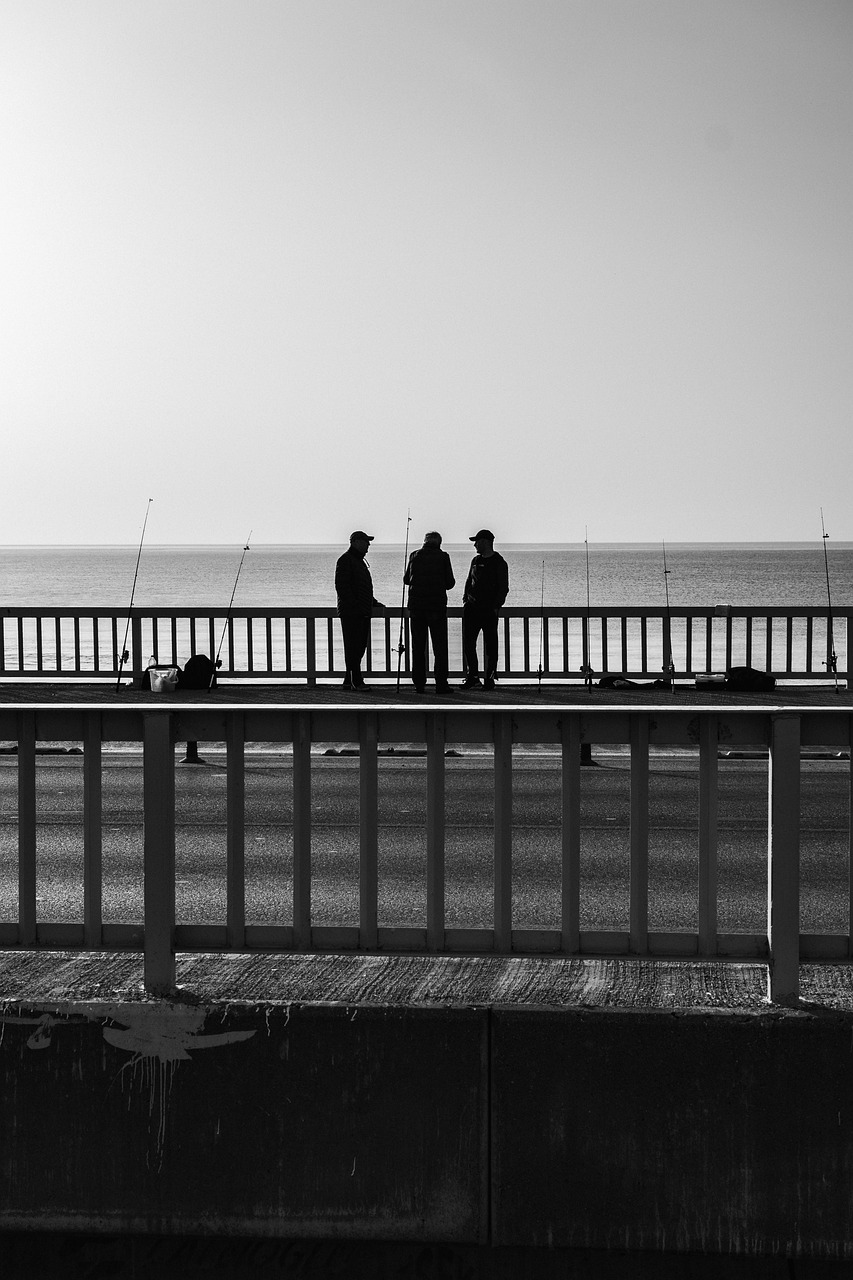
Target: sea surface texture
x,y
698,574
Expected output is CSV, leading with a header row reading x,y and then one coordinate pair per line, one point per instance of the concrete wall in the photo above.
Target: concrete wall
x,y
619,1129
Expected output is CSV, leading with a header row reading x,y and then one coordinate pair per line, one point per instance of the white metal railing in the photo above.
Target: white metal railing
x,y
553,643
160,933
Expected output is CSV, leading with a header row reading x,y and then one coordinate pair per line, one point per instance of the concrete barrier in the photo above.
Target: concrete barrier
x,y
516,1128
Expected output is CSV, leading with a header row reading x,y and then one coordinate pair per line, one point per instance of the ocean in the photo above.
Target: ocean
x,y
782,574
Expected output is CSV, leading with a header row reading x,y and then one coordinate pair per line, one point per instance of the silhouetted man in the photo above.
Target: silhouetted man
x,y
486,589
429,577
356,602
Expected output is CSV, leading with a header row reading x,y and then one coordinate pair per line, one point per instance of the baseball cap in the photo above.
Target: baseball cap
x,y
483,533
359,533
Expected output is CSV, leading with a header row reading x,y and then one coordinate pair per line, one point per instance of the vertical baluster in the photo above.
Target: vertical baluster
x,y
789,644
92,837
525,622
20,664
3,644
503,832
809,645
585,645
27,828
768,644
506,646
158,769
230,633
330,646
708,795
749,641
270,663
58,642
570,783
728,641
605,655
644,644
235,829
138,659
211,632
639,908
546,661
302,831
368,821
688,652
564,667
624,629
310,651
194,637
250,645
288,651
39,645
783,858
709,644
174,658
114,641
435,819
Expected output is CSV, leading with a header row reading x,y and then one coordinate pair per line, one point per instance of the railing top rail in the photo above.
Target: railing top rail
x,y
455,611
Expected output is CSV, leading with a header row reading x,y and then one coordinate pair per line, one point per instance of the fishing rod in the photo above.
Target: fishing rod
x,y
831,662
541,624
401,644
218,662
669,666
587,666
124,653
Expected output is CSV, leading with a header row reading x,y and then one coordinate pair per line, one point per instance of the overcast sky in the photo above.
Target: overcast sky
x,y
300,266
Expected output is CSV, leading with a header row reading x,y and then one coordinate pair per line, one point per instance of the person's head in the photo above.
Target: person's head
x,y
359,541
484,541
432,539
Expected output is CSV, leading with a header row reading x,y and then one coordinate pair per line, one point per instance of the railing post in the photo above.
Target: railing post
x,y
571,840
639,906
783,859
158,768
302,830
708,794
92,839
27,828
503,832
435,832
368,818
235,821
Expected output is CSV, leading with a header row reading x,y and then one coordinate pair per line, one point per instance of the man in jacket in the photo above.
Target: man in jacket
x,y
356,602
486,589
429,577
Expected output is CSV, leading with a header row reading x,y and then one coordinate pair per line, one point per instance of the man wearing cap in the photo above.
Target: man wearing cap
x,y
356,602
429,577
486,588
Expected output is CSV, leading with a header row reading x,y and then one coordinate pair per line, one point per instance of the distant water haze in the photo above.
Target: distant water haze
x,y
620,574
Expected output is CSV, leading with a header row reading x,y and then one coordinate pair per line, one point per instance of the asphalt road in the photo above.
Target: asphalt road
x,y
402,855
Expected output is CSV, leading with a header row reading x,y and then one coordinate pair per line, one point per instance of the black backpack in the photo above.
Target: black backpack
x,y
198,673
748,680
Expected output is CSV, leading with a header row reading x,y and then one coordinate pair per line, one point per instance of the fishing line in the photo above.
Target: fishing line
x,y
669,666
587,665
401,644
124,654
831,662
218,662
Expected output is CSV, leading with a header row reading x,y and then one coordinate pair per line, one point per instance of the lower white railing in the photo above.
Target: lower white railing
x,y
160,934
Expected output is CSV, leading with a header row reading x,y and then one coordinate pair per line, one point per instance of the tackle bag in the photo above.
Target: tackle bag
x,y
198,673
748,680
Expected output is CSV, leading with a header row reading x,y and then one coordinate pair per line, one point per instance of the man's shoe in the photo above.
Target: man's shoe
x,y
348,685
471,683
488,685
419,688
443,688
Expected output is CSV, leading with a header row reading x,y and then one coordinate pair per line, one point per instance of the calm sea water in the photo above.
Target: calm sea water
x,y
781,574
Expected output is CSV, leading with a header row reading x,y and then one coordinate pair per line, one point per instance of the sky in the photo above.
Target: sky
x,y
561,268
